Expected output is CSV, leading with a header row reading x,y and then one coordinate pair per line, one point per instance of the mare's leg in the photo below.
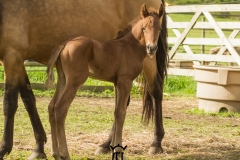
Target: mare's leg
x,y
155,88
30,105
11,89
123,92
14,73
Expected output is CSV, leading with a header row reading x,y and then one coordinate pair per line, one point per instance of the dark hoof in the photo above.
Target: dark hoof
x,y
36,155
155,150
4,150
102,150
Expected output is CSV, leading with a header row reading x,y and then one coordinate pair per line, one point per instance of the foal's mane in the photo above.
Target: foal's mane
x,y
121,33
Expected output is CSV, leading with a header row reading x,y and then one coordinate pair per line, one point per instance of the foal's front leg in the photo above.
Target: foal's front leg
x,y
104,148
123,92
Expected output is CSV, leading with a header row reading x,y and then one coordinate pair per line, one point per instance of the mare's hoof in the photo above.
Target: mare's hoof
x,y
4,150
155,150
36,155
102,150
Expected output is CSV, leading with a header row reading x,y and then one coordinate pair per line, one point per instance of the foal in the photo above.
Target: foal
x,y
118,61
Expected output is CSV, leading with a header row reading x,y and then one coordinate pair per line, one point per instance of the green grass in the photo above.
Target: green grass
x,y
197,111
175,85
180,85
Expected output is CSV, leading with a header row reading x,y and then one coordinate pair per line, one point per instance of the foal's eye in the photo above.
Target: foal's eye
x,y
143,29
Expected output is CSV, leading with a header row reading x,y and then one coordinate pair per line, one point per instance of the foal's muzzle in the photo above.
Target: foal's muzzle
x,y
152,49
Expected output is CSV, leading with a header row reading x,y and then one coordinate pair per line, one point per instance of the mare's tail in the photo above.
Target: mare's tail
x,y
162,62
50,74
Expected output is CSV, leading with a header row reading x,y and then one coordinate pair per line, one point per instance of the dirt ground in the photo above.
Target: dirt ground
x,y
188,135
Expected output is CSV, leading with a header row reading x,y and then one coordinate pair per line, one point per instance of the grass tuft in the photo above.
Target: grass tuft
x,y
197,111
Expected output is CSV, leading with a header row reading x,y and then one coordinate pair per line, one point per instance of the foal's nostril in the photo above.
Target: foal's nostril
x,y
155,47
148,47
152,49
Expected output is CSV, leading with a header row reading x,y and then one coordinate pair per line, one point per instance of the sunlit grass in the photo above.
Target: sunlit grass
x,y
180,85
219,114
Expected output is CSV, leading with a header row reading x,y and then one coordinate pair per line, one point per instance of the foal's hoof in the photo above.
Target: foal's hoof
x,y
102,150
155,150
36,155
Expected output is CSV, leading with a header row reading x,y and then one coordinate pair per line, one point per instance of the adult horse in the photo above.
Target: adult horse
x,y
112,61
31,29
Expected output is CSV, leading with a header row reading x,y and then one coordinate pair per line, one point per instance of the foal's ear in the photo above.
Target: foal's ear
x,y
144,12
161,11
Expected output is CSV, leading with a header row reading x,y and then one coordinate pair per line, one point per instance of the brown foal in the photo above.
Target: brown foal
x,y
118,61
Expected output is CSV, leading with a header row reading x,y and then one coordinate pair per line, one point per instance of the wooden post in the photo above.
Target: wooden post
x,y
203,36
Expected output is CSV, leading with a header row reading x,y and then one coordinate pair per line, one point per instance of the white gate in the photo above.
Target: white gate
x,y
182,42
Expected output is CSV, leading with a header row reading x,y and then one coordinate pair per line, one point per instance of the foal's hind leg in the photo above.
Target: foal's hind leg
x,y
60,109
30,105
75,76
60,86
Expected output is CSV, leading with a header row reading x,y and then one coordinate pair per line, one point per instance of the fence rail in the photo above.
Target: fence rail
x,y
184,44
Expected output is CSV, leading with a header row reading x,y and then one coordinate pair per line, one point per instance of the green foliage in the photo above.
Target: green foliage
x,y
180,85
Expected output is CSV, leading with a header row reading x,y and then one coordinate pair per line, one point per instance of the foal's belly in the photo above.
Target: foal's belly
x,y
100,75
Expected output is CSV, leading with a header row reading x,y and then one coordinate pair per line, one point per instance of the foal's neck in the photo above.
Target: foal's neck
x,y
137,33
134,36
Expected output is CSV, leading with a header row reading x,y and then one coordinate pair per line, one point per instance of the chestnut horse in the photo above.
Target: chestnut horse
x,y
118,61
31,29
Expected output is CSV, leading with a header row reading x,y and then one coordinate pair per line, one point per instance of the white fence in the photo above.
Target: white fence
x,y
224,33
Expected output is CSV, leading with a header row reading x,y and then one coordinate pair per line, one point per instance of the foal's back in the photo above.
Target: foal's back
x,y
107,61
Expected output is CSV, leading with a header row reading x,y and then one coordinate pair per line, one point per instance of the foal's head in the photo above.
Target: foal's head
x,y
151,26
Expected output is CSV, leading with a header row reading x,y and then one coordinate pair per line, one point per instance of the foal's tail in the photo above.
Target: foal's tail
x,y
50,74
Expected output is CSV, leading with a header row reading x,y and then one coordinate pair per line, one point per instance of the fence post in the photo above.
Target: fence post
x,y
203,36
